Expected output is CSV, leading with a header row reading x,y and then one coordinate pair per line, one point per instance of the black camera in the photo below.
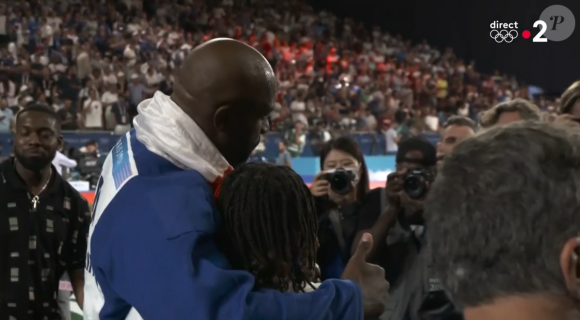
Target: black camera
x,y
340,180
415,183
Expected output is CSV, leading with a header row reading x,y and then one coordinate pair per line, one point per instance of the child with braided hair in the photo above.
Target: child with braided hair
x,y
269,226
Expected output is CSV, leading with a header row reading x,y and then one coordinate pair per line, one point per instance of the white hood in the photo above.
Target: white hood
x,y
167,131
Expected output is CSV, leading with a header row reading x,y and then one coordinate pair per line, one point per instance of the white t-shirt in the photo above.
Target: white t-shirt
x,y
109,98
93,113
432,122
391,140
297,108
276,112
463,111
130,55
310,289
371,121
110,79
152,79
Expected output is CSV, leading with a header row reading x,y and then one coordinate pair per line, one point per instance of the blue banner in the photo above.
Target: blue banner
x,y
371,144
378,167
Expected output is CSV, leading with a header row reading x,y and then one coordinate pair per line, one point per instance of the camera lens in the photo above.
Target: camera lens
x,y
414,185
340,181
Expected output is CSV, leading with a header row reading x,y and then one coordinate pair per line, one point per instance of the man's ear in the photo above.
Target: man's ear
x,y
570,265
222,118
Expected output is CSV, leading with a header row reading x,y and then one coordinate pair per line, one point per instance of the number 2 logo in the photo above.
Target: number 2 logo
x,y
543,28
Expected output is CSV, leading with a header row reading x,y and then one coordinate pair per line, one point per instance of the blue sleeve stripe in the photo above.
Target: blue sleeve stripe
x,y
121,164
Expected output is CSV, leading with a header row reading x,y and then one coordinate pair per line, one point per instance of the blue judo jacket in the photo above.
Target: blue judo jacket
x,y
152,254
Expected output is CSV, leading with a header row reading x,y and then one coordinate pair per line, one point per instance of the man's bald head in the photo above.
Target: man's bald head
x,y
228,88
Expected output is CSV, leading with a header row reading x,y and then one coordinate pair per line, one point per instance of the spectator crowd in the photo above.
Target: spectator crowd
x,y
93,62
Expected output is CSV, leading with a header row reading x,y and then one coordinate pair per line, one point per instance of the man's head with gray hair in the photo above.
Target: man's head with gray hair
x,y
510,111
504,220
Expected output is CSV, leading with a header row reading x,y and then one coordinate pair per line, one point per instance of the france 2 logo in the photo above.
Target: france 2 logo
x,y
556,23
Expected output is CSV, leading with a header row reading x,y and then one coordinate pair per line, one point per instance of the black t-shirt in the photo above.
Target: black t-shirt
x,y
67,115
120,110
70,88
370,209
329,244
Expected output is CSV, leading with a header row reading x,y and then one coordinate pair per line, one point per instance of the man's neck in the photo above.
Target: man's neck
x,y
33,179
537,307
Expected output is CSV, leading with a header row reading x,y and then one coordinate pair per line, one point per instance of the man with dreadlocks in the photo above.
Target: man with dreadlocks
x,y
269,226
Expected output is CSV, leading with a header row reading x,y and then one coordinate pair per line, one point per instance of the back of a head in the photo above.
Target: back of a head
x,y
269,225
526,110
228,88
460,121
502,207
569,98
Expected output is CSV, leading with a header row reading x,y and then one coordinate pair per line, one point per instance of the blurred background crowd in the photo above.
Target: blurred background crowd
x,y
94,61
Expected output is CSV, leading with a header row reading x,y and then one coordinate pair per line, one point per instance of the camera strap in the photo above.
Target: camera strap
x,y
334,217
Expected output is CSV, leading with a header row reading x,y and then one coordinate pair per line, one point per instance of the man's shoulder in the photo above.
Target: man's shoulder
x,y
179,201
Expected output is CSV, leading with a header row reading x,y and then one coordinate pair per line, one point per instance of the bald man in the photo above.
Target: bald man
x,y
151,251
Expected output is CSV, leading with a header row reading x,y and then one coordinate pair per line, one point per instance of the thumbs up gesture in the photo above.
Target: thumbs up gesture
x,y
370,278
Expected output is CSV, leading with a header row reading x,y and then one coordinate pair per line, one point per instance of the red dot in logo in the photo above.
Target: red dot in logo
x,y
526,34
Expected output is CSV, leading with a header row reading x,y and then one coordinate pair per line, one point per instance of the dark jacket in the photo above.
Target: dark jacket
x,y
331,255
416,293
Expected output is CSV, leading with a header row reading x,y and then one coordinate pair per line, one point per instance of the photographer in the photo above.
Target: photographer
x,y
89,163
394,216
338,189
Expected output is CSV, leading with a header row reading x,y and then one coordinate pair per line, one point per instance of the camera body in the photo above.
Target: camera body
x,y
415,183
340,180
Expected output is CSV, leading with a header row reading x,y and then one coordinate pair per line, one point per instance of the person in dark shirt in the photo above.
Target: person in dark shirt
x,y
504,222
24,77
337,221
395,219
44,84
46,222
69,85
166,86
120,112
67,117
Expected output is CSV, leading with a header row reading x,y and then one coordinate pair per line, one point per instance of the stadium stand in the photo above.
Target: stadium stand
x,y
94,62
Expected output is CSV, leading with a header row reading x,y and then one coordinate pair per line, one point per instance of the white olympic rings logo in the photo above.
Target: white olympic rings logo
x,y
503,35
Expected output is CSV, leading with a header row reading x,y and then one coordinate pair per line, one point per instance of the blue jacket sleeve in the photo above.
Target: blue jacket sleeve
x,y
166,270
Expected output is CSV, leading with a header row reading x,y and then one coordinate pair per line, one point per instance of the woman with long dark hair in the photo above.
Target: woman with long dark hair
x,y
338,188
